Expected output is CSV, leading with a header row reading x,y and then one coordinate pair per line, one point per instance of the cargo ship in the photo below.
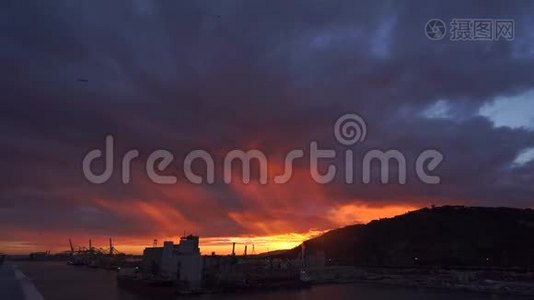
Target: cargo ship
x,y
181,269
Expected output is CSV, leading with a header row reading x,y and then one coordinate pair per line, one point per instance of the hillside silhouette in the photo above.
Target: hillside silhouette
x,y
443,236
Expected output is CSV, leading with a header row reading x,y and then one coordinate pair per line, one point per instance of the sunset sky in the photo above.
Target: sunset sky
x,y
268,75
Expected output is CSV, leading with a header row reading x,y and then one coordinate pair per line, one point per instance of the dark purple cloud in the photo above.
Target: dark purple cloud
x,y
272,75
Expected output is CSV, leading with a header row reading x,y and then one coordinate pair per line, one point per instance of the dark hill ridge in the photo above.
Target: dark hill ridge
x,y
444,236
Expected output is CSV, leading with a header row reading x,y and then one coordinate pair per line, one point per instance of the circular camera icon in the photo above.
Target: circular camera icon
x,y
435,29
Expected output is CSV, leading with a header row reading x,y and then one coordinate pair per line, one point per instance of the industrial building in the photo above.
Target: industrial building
x,y
181,263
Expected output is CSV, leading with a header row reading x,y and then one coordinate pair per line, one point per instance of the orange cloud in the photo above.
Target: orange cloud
x,y
359,212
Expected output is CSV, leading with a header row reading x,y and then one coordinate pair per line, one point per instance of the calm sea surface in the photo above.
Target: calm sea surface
x,y
56,280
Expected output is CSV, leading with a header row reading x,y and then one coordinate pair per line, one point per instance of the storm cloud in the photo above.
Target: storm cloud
x,y
270,75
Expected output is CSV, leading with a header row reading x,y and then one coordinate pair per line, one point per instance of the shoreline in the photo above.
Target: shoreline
x,y
445,279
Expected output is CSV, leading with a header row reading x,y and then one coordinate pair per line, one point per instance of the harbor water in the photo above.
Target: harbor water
x,y
56,280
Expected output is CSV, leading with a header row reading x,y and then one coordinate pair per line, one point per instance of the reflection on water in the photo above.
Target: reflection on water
x,y
56,280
